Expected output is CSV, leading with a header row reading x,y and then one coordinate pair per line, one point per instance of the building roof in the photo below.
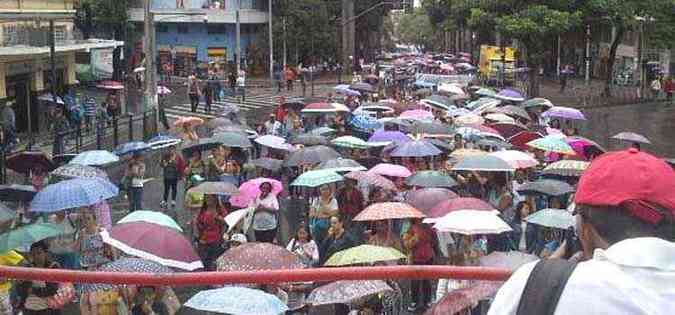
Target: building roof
x,y
20,50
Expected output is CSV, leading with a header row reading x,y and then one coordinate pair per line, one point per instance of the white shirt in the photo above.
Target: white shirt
x,y
265,220
634,276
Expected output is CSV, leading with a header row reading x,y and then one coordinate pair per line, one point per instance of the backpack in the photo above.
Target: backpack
x,y
545,286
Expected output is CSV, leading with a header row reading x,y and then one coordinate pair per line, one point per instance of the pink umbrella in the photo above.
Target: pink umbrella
x,y
416,114
464,298
463,203
372,179
163,90
249,190
393,170
584,147
427,198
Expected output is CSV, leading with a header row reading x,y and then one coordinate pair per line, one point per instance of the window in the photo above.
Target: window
x,y
60,33
10,34
182,28
162,28
216,29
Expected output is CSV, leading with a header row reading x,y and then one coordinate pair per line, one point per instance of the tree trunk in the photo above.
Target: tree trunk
x,y
609,75
117,62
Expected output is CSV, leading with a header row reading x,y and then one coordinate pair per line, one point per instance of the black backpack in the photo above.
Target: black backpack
x,y
545,286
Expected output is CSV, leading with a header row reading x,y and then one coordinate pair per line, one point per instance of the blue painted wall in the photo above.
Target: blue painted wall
x,y
198,36
196,4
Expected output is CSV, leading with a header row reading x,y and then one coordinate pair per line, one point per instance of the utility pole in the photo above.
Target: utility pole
x,y
149,94
348,29
237,56
588,54
269,4
285,57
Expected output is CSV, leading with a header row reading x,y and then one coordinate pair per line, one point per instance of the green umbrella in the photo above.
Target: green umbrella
x,y
27,235
316,178
151,217
486,92
364,254
553,218
537,101
350,142
430,179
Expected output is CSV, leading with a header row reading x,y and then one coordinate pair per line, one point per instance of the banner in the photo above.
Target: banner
x,y
437,79
102,63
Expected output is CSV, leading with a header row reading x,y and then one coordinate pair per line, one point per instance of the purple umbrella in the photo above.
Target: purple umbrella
x,y
564,112
389,136
417,148
427,198
510,95
631,137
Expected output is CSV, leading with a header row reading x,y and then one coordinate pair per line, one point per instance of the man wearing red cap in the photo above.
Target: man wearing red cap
x,y
625,204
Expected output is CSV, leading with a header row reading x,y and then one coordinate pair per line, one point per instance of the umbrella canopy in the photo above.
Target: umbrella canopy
x,y
510,95
232,139
125,265
346,291
153,242
384,137
271,141
350,142
316,178
469,119
508,129
268,163
163,141
110,85
427,198
451,89
631,137
431,179
151,217
14,192
237,301
487,92
418,114
250,189
363,87
416,148
309,139
311,155
440,101
341,165
460,300
364,254
564,112
464,153
499,117
6,214
365,122
48,97
188,121
566,168
513,111
536,102
28,234
372,179
131,147
585,147
510,260
552,144
456,204
546,186
471,222
521,139
434,128
387,211
496,144
95,158
201,145
215,188
69,171
73,193
517,159
553,218
24,162
344,89
483,163
255,256
392,170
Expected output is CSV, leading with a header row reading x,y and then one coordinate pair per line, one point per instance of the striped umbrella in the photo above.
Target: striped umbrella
x,y
552,144
69,171
566,168
73,193
94,158
350,142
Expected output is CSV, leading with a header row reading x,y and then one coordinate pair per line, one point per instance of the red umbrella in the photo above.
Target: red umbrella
x,y
521,139
427,198
258,256
508,130
462,203
387,211
461,299
24,162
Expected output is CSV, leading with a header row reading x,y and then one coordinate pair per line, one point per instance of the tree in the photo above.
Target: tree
x,y
416,29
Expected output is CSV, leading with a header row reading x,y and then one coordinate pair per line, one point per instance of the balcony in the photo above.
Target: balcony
x,y
214,16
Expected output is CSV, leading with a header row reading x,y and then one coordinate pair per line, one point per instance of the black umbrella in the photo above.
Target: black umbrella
x,y
14,192
23,162
296,104
441,144
429,179
342,165
549,187
309,139
268,163
201,145
232,139
435,128
311,155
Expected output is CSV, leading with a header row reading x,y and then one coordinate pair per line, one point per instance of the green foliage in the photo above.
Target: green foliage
x,y
107,17
416,29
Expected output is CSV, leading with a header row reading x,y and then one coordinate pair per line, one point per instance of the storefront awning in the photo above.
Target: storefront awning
x,y
22,50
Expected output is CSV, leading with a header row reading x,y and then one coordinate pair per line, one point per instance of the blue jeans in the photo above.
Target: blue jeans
x,y
135,198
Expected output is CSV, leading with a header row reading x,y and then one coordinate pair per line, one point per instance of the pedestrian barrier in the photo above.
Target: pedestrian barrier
x,y
271,276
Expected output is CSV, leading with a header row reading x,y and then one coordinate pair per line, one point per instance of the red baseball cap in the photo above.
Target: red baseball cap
x,y
637,181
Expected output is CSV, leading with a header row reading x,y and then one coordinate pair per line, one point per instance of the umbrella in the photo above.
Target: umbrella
x,y
469,133
566,168
440,101
218,122
363,87
79,171
364,254
521,139
388,211
510,95
464,153
131,147
553,218
483,163
442,144
517,112
346,291
125,265
487,92
233,218
139,69
418,114
510,260
153,242
584,147
426,91
537,101
469,119
471,222
435,128
273,142
163,90
499,117
341,165
215,188
309,139
385,137
311,155
26,161
365,122
416,148
427,198
188,121
344,89
237,301
372,179
250,189
163,141
73,193
450,88
552,144
316,178
496,143
28,234
431,179
110,85
14,192
564,112
461,203
546,186
318,108
392,170
461,299
151,217
201,145
47,97
631,137
6,214
517,159
268,163
508,129
94,158
350,142
232,139
255,256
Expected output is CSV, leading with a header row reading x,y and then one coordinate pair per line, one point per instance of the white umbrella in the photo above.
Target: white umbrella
x,y
233,218
515,158
471,222
498,117
451,89
139,69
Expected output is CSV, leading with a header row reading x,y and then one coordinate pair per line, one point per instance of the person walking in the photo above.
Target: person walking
x,y
193,92
135,173
172,165
669,88
207,91
232,80
290,77
655,86
419,242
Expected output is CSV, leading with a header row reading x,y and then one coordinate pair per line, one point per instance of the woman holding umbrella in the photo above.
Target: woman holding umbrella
x,y
265,218
209,228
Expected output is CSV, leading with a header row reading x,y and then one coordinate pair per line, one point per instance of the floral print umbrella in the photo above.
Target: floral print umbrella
x,y
387,211
258,256
78,171
346,291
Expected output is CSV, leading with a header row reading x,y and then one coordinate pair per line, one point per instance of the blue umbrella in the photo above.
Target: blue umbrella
x,y
163,141
131,147
417,148
73,193
237,301
365,122
94,158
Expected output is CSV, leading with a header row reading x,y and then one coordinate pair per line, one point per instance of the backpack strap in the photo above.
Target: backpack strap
x,y
545,286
